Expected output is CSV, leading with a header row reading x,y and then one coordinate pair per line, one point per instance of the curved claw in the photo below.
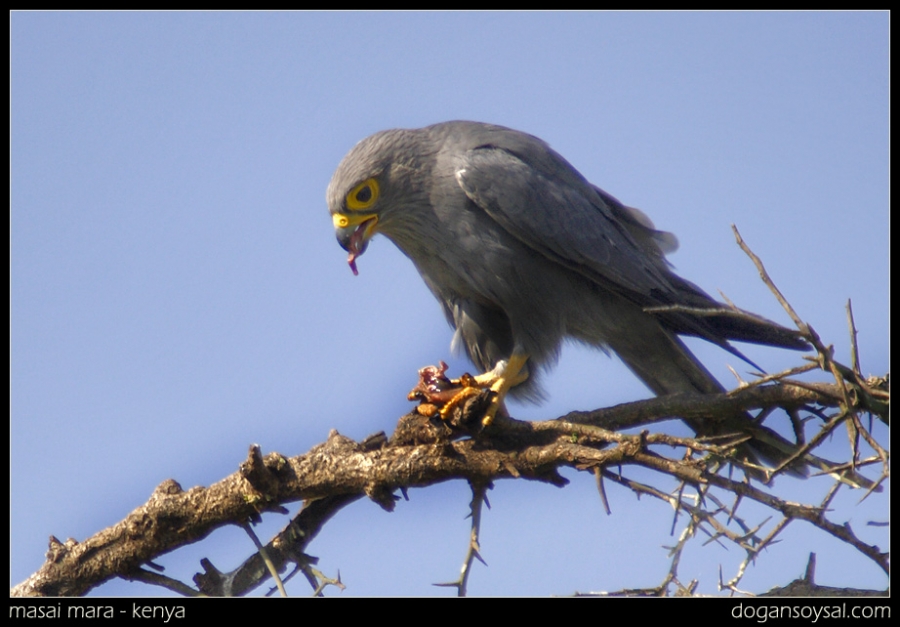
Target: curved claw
x,y
457,400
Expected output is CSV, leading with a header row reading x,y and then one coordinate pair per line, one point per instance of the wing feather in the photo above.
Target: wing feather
x,y
570,224
539,198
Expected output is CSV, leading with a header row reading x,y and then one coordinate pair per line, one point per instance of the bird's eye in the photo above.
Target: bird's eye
x,y
363,195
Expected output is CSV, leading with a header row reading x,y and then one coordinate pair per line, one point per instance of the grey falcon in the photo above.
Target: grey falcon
x,y
522,252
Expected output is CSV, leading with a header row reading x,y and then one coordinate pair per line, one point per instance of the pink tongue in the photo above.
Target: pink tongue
x,y
354,248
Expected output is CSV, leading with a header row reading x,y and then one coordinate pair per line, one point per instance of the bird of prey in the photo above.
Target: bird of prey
x,y
523,252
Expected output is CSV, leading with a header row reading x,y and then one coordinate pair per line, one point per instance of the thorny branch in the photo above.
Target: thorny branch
x,y
424,450
479,498
340,471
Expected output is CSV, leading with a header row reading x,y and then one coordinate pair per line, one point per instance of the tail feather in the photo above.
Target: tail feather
x,y
667,366
662,361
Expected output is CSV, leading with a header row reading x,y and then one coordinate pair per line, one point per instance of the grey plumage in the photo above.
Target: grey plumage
x,y
523,252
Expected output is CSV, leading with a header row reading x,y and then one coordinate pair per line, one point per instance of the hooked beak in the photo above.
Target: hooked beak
x,y
353,234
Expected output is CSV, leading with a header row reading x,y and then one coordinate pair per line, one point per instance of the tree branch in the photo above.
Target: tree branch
x,y
422,451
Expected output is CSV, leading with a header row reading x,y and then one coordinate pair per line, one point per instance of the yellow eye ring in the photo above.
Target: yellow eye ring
x,y
363,195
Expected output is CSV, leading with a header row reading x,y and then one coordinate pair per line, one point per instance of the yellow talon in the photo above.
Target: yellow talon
x,y
506,375
457,400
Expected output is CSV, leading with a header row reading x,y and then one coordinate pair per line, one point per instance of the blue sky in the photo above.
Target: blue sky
x,y
177,292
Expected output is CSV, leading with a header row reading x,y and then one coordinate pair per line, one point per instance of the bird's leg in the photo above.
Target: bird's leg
x,y
505,375
512,373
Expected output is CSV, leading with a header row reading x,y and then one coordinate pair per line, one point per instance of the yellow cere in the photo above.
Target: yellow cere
x,y
342,220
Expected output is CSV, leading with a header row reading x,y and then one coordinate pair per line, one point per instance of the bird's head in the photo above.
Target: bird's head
x,y
373,188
